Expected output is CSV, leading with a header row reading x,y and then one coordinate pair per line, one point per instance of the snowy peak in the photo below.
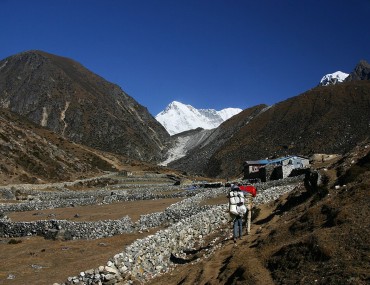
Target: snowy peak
x,y
333,78
178,117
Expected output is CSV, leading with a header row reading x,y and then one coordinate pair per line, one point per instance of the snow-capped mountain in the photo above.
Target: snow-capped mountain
x,y
178,117
333,78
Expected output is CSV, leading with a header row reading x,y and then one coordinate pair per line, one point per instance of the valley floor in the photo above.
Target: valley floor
x,y
303,237
35,260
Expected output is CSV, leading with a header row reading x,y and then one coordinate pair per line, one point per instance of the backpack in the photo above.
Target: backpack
x,y
236,203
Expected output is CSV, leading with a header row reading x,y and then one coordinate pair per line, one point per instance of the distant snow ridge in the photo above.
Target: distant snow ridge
x,y
333,78
178,117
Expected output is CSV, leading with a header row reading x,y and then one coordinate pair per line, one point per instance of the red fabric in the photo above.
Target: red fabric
x,y
249,188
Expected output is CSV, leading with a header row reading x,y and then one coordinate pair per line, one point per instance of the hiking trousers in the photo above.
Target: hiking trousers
x,y
238,227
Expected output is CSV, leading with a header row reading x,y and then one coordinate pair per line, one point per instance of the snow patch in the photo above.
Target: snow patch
x,y
63,116
1,67
44,119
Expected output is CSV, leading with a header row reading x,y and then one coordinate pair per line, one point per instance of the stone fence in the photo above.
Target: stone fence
x,y
151,256
39,200
52,229
148,257
100,229
187,224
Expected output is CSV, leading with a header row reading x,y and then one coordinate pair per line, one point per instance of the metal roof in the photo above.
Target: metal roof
x,y
272,161
258,162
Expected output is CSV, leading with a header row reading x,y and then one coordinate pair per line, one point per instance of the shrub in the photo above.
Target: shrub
x,y
14,241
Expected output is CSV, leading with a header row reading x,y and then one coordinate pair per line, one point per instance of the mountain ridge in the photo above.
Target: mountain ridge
x,y
197,156
360,72
62,95
297,238
325,119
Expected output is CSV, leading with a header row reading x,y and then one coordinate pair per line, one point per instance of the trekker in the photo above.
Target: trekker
x,y
237,210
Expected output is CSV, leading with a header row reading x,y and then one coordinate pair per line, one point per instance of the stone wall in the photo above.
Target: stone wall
x,y
148,257
187,224
39,200
66,229
151,256
100,229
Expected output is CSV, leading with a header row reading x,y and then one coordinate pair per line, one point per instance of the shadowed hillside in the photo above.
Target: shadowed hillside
x,y
330,119
198,157
63,96
32,154
323,120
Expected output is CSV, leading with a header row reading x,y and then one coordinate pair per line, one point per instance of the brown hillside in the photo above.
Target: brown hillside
x,y
32,154
329,119
63,96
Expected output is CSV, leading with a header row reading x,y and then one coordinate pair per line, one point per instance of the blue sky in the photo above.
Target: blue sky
x,y
206,53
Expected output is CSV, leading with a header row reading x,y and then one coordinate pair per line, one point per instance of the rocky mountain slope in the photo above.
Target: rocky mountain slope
x,y
361,72
32,154
310,236
325,119
63,96
200,144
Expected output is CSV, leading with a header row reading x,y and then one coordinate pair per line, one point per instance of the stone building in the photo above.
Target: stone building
x,y
274,169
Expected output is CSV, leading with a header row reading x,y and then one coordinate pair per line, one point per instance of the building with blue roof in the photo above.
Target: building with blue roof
x,y
273,169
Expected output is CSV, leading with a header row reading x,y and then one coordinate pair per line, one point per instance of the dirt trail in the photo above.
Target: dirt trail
x,y
112,161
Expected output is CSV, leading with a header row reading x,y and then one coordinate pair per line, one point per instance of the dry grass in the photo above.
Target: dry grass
x,y
35,260
61,259
39,261
96,212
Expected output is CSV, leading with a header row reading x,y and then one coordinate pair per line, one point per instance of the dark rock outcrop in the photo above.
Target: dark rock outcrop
x,y
361,72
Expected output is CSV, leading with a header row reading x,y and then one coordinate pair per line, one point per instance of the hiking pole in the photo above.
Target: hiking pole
x,y
249,218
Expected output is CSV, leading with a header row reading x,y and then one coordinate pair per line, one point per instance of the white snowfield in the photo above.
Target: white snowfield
x,y
333,78
178,117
